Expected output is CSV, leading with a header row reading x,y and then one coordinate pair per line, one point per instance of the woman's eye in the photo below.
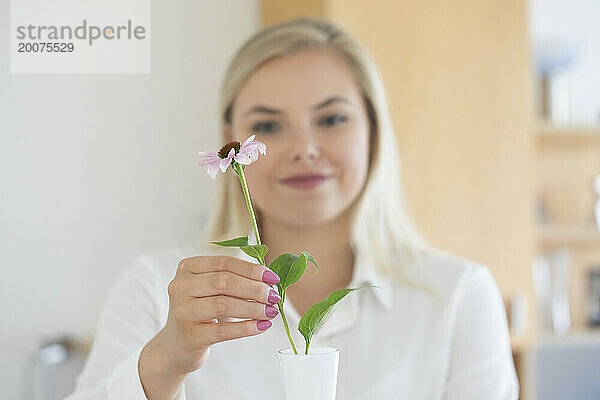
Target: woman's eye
x,y
333,120
265,127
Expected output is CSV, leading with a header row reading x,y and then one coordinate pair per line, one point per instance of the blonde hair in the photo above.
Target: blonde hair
x,y
381,228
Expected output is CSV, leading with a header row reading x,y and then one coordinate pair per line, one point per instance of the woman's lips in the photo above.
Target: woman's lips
x,y
305,182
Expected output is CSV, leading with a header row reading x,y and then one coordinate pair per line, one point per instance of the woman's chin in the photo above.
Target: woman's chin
x,y
308,219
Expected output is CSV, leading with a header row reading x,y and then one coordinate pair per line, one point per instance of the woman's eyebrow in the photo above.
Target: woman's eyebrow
x,y
264,110
274,111
329,101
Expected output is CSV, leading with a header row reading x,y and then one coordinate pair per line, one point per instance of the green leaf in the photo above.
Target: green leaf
x,y
316,315
311,259
257,251
237,242
296,271
290,268
281,266
298,268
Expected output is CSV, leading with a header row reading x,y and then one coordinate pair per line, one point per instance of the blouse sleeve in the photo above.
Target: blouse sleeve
x,y
481,363
128,320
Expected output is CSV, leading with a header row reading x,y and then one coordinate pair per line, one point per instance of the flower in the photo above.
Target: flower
x,y
245,154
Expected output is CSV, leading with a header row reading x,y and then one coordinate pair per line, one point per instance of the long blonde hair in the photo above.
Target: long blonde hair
x,y
381,228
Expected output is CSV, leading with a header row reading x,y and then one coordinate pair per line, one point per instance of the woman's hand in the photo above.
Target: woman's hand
x,y
205,291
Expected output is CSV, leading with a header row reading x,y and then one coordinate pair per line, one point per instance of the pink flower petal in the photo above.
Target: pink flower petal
x,y
247,157
209,157
208,153
244,160
226,161
206,162
251,138
212,170
224,164
261,147
249,151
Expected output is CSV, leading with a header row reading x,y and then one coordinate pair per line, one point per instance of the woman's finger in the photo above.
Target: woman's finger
x,y
208,334
229,284
221,306
204,264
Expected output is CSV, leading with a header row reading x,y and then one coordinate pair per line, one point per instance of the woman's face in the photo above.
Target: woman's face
x,y
309,112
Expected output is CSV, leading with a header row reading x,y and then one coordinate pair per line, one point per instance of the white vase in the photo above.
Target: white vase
x,y
311,376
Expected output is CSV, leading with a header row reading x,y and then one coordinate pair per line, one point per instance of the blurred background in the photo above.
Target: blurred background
x,y
496,105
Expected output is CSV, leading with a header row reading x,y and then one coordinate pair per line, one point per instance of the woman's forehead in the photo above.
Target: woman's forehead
x,y
303,80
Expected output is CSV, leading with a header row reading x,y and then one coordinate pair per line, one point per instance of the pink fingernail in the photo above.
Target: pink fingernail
x,y
273,297
263,325
271,311
270,277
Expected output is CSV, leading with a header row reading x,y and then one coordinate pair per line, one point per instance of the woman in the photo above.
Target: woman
x,y
436,328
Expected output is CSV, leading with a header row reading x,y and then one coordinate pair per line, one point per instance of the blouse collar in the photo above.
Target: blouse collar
x,y
364,273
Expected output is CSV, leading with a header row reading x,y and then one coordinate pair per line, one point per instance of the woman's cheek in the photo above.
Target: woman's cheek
x,y
258,176
353,156
356,166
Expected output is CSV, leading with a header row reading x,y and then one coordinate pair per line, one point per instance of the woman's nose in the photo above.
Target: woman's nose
x,y
305,146
304,149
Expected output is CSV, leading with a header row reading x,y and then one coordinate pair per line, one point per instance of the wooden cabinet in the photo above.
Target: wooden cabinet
x,y
568,160
458,82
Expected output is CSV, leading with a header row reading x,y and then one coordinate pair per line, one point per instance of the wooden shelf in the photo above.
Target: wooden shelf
x,y
557,235
585,335
548,133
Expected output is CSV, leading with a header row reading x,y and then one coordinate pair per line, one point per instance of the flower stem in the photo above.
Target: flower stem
x,y
240,172
287,328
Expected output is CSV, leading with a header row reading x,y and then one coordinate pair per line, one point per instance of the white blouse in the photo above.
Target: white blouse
x,y
396,342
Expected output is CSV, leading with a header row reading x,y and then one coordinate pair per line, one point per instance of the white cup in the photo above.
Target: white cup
x,y
311,376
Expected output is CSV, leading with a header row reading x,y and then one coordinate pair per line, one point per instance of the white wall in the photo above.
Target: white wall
x,y
575,20
95,169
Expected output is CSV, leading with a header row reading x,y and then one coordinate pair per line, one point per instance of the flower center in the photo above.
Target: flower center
x,y
231,145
